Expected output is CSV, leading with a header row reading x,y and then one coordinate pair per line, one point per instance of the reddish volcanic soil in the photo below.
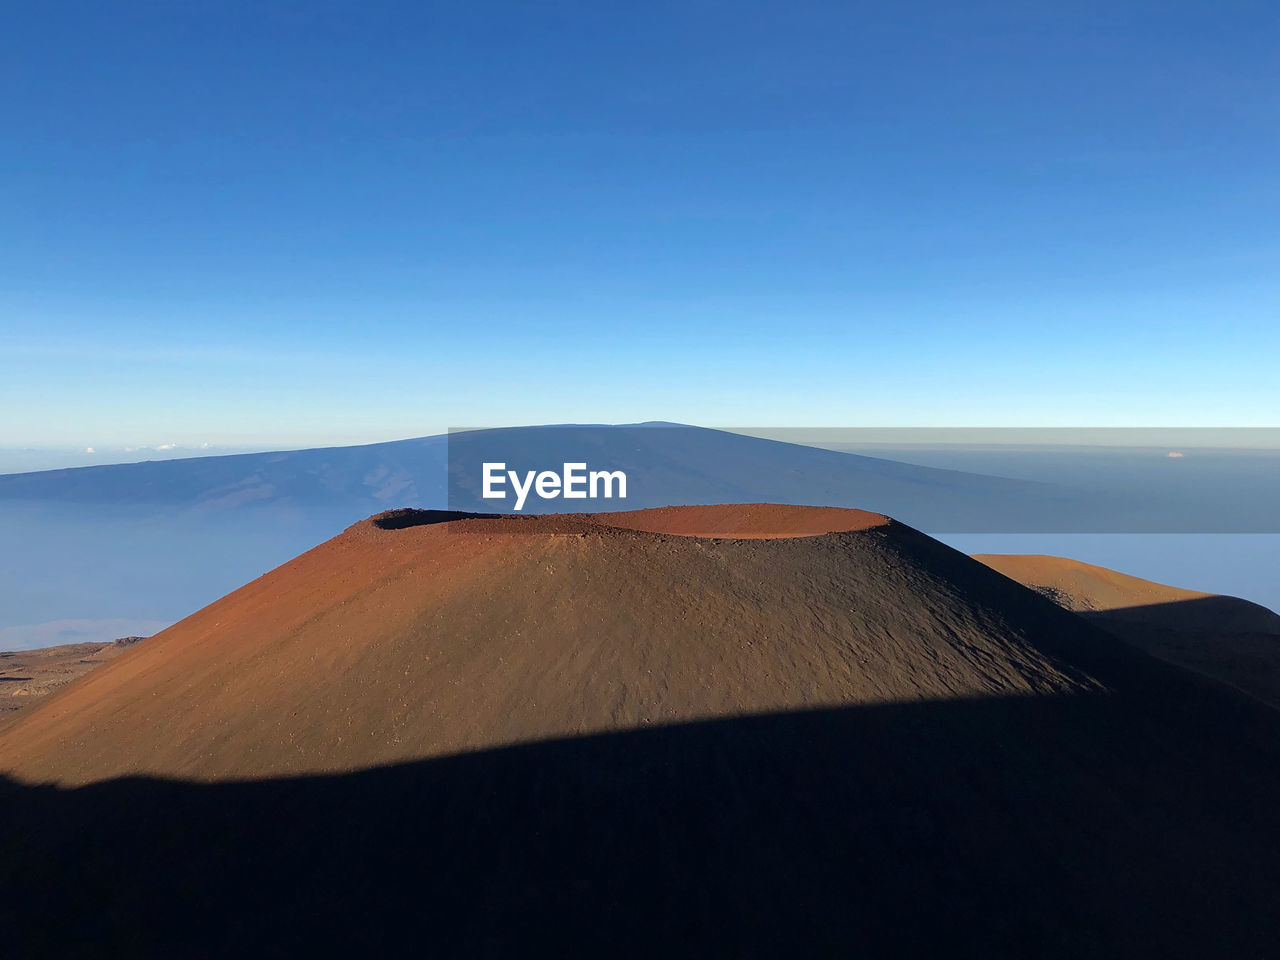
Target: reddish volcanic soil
x,y
812,733
385,645
745,521
1233,640
28,675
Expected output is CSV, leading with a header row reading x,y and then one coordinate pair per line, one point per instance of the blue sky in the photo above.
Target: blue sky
x,y
301,223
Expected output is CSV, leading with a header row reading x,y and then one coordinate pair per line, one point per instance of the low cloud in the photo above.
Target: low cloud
x,y
90,450
170,446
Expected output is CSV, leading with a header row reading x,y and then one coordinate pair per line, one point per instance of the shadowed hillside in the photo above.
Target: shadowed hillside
x,y
1234,640
616,735
1058,826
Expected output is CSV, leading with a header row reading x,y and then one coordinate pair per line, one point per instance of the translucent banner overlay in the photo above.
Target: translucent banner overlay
x,y
940,480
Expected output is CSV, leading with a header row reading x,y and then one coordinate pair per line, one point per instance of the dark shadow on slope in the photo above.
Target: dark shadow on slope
x,y
407,517
501,523
1126,825
1229,639
1218,613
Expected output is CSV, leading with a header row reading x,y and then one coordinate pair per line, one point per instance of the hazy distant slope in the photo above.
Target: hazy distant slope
x,y
665,463
154,541
387,473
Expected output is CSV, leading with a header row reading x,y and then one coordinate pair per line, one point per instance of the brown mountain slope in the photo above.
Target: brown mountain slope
x,y
386,645
26,676
1233,640
562,737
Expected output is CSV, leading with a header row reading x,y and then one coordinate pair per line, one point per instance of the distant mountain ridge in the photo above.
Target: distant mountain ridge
x,y
378,472
666,463
150,542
